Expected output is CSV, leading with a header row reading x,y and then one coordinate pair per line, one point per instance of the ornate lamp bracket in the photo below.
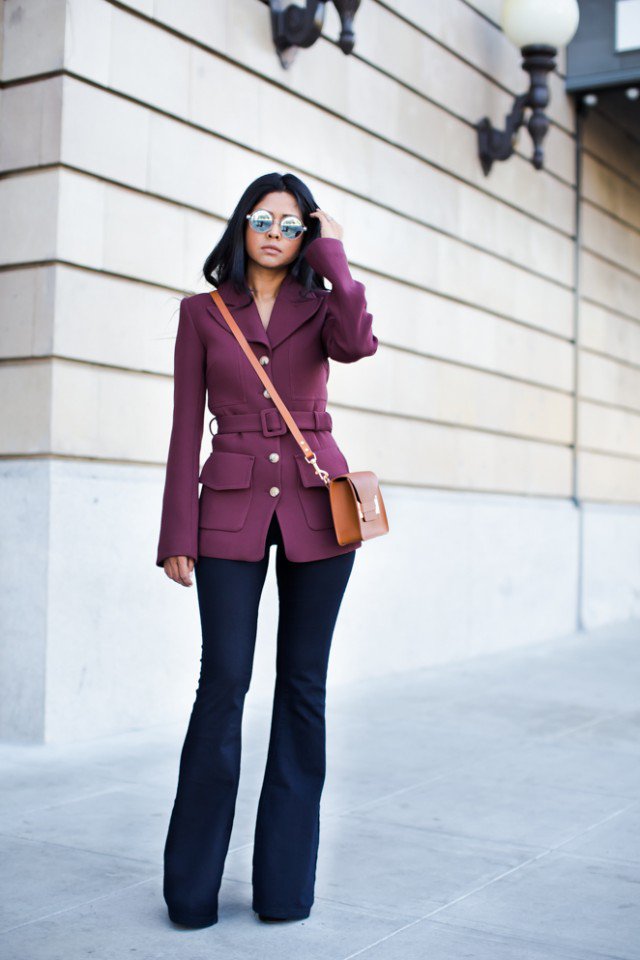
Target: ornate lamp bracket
x,y
294,26
538,61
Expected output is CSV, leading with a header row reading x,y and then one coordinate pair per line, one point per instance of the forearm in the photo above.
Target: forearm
x,y
179,523
347,332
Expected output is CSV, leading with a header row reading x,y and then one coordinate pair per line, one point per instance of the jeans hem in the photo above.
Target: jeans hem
x,y
283,914
193,921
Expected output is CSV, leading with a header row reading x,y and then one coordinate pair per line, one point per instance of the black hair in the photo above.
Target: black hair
x,y
227,260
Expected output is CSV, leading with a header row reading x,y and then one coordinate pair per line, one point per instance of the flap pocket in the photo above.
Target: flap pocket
x,y
331,460
225,470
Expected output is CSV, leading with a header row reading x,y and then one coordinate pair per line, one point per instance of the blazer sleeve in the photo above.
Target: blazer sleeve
x,y
179,522
346,333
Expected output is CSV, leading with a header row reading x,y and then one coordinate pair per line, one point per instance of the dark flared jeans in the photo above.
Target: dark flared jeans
x,y
288,816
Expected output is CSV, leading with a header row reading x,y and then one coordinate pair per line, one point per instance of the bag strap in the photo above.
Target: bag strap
x,y
310,456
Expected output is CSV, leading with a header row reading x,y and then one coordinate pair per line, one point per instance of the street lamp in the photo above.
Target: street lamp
x,y
538,28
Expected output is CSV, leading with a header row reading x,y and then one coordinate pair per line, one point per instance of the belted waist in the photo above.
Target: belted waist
x,y
270,422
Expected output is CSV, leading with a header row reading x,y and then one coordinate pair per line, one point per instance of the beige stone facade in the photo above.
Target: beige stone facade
x,y
507,379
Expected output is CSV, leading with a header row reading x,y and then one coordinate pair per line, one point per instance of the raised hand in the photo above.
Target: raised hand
x,y
328,226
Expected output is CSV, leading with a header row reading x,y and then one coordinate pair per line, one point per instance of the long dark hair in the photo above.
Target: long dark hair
x,y
227,260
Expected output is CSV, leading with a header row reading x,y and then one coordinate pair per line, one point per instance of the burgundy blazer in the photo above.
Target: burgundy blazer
x,y
256,466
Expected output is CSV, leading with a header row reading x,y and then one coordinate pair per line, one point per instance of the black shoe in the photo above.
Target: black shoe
x,y
266,919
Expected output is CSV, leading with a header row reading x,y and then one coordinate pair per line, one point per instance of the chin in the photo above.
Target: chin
x,y
268,261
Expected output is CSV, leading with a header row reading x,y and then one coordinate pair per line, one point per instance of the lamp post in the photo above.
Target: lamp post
x,y
538,28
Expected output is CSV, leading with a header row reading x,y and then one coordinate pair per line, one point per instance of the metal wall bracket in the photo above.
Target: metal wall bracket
x,y
538,61
294,26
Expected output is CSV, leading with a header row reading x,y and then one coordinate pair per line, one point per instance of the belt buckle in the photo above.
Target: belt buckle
x,y
281,428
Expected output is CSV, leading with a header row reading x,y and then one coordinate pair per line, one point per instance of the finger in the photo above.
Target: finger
x,y
172,569
183,571
326,218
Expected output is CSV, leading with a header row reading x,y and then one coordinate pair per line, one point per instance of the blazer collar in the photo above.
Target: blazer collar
x,y
290,310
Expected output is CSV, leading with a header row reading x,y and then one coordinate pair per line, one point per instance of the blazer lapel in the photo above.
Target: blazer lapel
x,y
290,310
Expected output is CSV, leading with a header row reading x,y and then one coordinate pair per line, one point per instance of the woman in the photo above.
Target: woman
x,y
258,491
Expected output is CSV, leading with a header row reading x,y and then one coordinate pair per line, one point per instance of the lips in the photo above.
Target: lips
x,y
269,246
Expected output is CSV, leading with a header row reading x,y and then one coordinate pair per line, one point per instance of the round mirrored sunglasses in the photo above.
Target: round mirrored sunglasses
x,y
290,227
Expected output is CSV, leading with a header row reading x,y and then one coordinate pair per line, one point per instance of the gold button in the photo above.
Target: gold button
x,y
274,491
274,457
266,393
264,360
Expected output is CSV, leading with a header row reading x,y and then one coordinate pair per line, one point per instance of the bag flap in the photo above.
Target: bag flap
x,y
365,484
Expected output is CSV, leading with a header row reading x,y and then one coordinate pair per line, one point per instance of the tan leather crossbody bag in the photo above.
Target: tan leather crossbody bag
x,y
357,506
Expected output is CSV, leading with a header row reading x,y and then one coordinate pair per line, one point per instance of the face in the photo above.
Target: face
x,y
279,205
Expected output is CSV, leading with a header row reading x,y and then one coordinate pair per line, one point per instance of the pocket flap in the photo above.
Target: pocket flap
x,y
332,461
225,470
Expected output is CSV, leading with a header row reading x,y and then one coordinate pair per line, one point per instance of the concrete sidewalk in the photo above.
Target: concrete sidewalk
x,y
487,809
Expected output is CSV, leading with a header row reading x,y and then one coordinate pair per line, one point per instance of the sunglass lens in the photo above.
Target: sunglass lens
x,y
291,227
261,221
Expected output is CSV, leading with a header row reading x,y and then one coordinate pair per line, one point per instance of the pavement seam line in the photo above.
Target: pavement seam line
x,y
493,880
